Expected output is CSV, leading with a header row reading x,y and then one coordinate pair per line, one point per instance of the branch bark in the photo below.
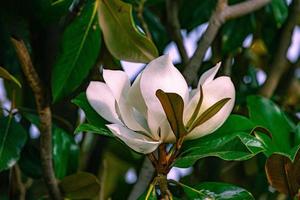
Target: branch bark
x,y
279,64
145,177
43,108
222,13
173,27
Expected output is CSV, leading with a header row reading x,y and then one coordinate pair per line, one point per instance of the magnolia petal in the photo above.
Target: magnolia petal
x,y
117,81
101,99
167,134
135,97
119,84
161,74
209,75
213,91
135,141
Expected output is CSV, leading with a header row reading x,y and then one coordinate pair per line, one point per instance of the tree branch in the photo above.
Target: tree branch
x,y
279,63
44,112
173,27
222,13
145,176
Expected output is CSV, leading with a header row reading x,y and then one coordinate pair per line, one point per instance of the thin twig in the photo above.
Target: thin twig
x,y
222,13
279,63
43,108
173,27
16,178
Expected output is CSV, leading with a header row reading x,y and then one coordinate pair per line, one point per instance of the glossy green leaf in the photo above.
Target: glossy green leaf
x,y
6,75
173,106
92,129
80,45
232,141
214,190
80,186
121,36
265,113
12,139
97,123
296,138
65,153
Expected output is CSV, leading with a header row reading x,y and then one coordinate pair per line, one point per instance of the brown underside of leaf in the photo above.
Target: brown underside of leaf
x,y
283,174
173,105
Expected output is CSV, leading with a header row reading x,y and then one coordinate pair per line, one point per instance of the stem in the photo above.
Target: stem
x,y
161,180
151,187
43,108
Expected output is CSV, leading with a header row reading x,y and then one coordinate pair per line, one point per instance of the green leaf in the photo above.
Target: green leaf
x,y
263,112
80,186
96,122
233,35
64,149
6,75
214,190
232,141
192,13
65,153
12,139
50,11
121,36
280,11
173,106
81,43
93,129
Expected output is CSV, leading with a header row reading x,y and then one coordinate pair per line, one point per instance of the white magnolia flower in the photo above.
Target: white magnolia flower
x,y
136,114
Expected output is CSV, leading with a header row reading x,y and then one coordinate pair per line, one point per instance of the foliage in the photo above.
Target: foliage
x,y
70,43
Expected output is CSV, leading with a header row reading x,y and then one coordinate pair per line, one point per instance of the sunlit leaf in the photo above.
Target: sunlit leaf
x,y
121,36
6,75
